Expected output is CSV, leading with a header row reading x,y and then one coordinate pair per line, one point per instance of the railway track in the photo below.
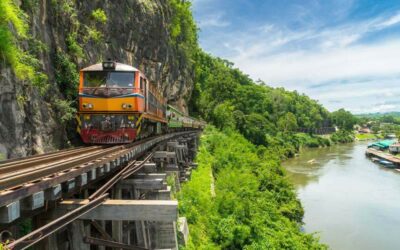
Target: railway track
x,y
18,173
22,177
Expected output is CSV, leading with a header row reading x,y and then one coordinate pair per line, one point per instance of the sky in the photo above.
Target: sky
x,y
343,53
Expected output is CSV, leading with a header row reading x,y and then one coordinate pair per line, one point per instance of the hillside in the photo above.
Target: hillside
x,y
43,43
252,204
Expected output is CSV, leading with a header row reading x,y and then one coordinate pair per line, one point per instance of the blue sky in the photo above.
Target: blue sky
x,y
344,53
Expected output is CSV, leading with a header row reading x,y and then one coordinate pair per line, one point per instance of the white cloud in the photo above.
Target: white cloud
x,y
215,19
393,20
318,66
330,63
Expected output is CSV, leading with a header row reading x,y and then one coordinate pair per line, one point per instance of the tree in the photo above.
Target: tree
x,y
255,128
223,116
287,123
343,119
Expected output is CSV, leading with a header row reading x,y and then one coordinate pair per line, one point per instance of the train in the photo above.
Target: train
x,y
118,105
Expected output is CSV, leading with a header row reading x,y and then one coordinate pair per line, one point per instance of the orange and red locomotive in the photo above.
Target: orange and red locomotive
x,y
117,104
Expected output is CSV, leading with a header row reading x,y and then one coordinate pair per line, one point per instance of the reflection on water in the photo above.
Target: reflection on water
x,y
352,202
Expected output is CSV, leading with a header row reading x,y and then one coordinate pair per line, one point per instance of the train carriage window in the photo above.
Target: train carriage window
x,y
141,83
99,79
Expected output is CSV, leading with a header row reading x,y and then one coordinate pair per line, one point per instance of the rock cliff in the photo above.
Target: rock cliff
x,y
65,35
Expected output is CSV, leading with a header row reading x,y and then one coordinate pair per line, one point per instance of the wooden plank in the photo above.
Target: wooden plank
x,y
149,176
128,210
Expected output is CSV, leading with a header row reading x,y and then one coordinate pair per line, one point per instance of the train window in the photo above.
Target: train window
x,y
98,79
120,79
141,82
95,79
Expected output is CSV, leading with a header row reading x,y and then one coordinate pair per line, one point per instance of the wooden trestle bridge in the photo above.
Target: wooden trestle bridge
x,y
97,197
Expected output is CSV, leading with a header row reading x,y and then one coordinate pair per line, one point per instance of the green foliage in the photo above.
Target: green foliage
x,y
21,100
183,29
29,4
342,136
65,110
287,123
254,206
311,141
73,46
344,119
24,65
66,76
259,112
25,226
375,129
11,14
99,16
94,35
2,157
223,116
171,181
362,137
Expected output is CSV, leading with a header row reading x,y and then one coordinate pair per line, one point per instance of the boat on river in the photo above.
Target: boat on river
x,y
387,164
374,159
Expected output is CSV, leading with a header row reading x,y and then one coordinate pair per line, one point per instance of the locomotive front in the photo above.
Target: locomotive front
x,y
111,101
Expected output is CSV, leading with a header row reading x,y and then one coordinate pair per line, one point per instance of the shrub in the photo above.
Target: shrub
x,y
66,75
99,16
94,35
73,46
64,109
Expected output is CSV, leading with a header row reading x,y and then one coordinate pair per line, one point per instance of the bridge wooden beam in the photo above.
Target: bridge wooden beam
x,y
126,210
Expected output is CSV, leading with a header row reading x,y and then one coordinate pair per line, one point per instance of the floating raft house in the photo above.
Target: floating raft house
x,y
381,145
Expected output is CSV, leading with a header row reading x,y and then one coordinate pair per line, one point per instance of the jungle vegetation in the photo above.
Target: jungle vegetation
x,y
239,197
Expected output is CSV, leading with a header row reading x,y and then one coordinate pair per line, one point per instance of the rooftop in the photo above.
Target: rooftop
x,y
118,67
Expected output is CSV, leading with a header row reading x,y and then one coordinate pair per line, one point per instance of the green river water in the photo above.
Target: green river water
x,y
350,201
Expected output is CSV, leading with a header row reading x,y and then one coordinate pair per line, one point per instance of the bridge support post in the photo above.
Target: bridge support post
x,y
117,225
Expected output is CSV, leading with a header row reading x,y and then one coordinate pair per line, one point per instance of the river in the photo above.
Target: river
x,y
350,201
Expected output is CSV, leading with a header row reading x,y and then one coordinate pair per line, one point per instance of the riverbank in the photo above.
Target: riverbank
x,y
352,202
254,206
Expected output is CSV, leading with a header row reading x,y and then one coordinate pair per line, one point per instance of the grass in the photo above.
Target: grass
x,y
364,137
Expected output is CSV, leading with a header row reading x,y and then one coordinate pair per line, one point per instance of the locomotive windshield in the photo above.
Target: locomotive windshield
x,y
107,79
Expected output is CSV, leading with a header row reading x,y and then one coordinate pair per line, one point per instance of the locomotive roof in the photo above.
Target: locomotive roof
x,y
118,67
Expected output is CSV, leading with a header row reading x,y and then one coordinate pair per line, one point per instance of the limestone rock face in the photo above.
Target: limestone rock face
x,y
136,32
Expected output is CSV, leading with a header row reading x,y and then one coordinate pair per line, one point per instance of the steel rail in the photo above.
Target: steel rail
x,y
110,182
44,231
12,181
126,171
16,166
39,167
27,158
31,183
96,199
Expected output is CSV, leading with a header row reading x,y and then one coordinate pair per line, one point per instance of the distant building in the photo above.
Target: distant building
x,y
364,131
394,148
391,136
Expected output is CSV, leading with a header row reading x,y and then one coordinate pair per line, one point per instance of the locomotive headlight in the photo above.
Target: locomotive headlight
x,y
87,105
109,65
126,106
